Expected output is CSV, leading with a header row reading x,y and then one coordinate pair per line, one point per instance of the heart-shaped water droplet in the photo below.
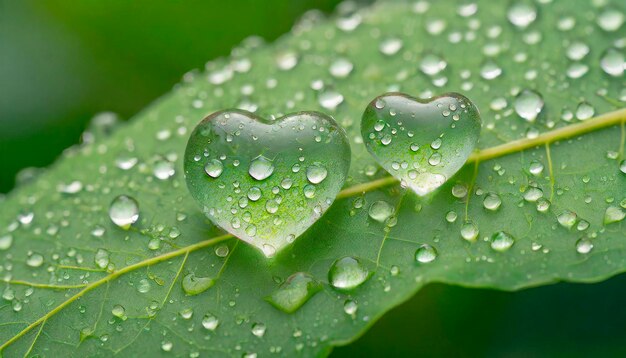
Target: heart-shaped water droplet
x,y
422,143
266,181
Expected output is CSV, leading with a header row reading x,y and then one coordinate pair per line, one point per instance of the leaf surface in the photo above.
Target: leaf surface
x,y
77,285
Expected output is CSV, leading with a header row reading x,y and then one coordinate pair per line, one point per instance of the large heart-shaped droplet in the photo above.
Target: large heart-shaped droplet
x,y
422,143
266,181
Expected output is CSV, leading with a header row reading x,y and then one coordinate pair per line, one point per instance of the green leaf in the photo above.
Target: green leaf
x,y
77,284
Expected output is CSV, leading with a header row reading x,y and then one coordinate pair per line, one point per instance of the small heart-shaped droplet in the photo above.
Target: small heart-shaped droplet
x,y
266,181
422,143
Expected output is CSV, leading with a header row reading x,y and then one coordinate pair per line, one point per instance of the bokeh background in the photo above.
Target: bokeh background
x,y
64,61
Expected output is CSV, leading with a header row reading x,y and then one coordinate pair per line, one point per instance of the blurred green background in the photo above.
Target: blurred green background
x,y
61,62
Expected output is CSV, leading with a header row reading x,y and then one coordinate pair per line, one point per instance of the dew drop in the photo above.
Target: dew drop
x,y
210,322
124,211
492,202
380,210
521,14
390,46
258,329
34,260
347,273
614,214
584,246
316,173
193,285
341,68
261,168
528,104
294,292
502,241
425,254
567,219
350,307
214,168
101,259
469,231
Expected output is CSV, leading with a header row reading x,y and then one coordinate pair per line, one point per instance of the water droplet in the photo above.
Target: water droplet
x,y
502,241
124,211
432,64
610,19
316,173
380,211
101,259
163,170
341,68
390,46
533,194
5,242
469,231
613,214
167,346
347,273
222,251
451,216
34,260
522,13
210,322
528,104
577,51
119,311
613,62
535,168
261,168
567,219
350,307
492,201
425,254
193,285
258,329
186,313
330,99
584,246
584,111
294,292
